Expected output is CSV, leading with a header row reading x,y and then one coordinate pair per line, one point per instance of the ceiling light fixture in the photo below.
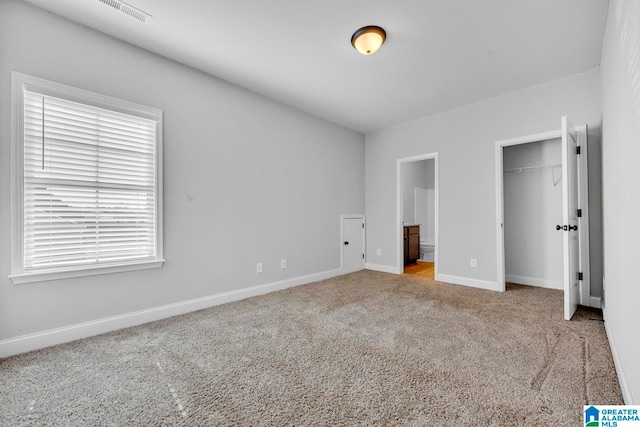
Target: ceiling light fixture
x,y
367,40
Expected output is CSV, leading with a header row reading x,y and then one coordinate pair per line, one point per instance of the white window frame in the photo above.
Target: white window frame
x,y
19,82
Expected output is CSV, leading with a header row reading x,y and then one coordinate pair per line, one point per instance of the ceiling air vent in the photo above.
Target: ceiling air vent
x,y
128,10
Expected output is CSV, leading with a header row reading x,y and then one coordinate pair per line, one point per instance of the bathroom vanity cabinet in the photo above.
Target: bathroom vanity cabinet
x,y
411,244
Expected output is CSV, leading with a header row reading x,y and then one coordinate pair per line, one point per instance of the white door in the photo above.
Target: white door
x,y
352,242
569,227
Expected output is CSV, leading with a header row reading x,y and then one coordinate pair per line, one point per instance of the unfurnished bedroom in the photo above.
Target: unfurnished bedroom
x,y
339,213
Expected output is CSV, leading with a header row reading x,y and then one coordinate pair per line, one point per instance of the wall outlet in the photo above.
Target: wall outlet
x,y
283,263
474,262
378,252
259,267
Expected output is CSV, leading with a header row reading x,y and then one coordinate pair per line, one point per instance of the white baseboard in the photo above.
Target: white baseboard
x,y
38,340
624,385
383,268
353,269
466,281
535,281
595,302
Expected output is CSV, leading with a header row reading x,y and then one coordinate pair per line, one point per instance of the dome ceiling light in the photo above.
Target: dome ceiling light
x,y
367,40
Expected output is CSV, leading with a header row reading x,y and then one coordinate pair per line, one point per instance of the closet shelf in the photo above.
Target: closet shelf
x,y
532,168
539,168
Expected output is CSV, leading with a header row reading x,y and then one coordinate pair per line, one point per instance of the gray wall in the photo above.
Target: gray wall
x,y
246,179
465,140
532,208
621,189
413,174
425,204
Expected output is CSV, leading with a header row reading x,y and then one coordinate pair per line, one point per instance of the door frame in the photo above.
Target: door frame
x,y
364,248
583,201
400,211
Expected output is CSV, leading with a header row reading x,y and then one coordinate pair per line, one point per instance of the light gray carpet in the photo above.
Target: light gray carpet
x,y
367,348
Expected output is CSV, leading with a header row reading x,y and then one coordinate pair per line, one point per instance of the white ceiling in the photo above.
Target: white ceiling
x,y
439,54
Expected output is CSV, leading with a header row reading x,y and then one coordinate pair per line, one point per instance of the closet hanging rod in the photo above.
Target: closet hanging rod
x,y
532,168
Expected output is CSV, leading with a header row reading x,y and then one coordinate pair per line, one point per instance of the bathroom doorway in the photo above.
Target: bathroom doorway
x,y
417,215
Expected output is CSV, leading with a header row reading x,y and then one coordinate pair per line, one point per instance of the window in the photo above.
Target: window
x,y
87,183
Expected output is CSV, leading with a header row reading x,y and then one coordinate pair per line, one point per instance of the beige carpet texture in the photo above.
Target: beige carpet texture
x,y
366,348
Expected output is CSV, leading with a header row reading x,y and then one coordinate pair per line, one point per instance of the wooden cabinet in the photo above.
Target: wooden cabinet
x,y
411,244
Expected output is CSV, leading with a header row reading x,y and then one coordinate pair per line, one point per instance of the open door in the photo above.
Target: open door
x,y
570,238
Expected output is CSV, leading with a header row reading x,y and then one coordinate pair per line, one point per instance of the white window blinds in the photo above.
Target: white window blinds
x,y
89,185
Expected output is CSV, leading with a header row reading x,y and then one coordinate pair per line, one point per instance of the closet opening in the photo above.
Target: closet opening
x,y
542,226
532,198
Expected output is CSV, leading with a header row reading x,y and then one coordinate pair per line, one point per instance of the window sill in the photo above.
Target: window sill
x,y
56,274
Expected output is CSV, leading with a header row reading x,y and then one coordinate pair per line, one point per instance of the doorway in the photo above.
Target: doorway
x,y
571,175
532,198
417,212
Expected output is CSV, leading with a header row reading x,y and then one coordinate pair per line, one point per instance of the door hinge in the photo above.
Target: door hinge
x,y
579,276
579,213
578,149
362,256
363,225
